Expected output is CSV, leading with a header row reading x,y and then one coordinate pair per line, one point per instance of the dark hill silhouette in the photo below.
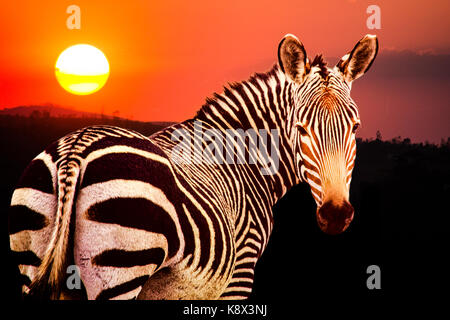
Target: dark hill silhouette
x,y
49,111
52,111
399,190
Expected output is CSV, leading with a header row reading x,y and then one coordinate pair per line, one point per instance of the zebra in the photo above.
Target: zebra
x,y
141,222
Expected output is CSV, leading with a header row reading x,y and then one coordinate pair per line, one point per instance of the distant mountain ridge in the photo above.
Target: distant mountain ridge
x,y
39,111
52,111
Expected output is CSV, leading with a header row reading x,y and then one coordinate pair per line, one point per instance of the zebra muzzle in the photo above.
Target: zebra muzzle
x,y
334,218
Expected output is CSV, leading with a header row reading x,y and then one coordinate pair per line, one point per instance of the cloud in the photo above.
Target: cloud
x,y
393,63
406,63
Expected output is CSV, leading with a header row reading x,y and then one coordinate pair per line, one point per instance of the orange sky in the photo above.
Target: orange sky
x,y
167,56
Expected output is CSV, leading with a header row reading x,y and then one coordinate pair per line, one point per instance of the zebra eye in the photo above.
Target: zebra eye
x,y
355,127
301,130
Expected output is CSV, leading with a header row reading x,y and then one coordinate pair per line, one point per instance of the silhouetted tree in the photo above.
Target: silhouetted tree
x,y
379,137
396,140
35,114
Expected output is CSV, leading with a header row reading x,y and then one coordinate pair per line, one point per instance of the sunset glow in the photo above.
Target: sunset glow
x,y
168,57
82,69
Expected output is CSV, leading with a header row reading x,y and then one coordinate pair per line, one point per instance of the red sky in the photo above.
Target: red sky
x,y
166,57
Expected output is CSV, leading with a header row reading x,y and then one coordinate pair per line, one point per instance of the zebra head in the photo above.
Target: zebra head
x,y
324,122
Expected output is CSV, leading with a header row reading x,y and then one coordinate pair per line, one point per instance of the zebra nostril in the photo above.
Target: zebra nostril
x,y
349,219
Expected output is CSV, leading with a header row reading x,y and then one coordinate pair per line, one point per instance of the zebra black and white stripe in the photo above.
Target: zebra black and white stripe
x,y
141,221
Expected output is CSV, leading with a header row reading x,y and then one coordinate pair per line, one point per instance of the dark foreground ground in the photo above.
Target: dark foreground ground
x,y
400,192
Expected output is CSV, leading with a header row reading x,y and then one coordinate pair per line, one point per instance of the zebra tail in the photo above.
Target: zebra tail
x,y
51,272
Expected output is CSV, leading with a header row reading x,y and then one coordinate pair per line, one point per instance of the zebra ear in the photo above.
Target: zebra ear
x,y
354,64
292,58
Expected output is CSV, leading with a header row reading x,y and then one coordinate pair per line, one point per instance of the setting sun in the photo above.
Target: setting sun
x,y
82,69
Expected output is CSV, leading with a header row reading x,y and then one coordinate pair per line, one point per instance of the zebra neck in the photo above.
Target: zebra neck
x,y
263,106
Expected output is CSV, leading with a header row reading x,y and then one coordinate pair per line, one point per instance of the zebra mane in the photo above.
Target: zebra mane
x,y
264,76
318,61
322,64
